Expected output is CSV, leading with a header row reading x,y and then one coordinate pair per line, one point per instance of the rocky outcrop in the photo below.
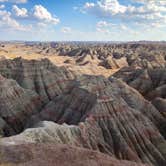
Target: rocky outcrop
x,y
47,132
112,63
115,119
149,82
40,76
17,105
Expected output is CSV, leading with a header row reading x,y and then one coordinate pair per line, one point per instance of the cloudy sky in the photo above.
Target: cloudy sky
x,y
101,20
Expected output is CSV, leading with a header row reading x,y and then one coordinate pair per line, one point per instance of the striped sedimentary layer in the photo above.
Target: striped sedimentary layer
x,y
100,114
109,116
17,105
40,76
26,86
151,83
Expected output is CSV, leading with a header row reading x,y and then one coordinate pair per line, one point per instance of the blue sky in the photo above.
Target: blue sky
x,y
101,20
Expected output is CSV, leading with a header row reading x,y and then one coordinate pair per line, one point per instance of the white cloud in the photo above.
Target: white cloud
x,y
20,12
2,6
15,1
39,19
161,2
123,27
7,22
66,30
89,5
102,24
41,25
105,7
41,13
150,11
104,27
108,28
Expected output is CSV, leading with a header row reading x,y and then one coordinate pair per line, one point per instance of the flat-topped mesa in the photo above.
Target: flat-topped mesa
x,y
17,105
40,76
115,118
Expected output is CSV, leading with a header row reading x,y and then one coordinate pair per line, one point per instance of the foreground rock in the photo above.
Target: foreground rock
x,y
47,132
110,117
100,114
60,155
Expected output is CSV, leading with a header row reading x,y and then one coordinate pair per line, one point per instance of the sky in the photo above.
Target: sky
x,y
83,20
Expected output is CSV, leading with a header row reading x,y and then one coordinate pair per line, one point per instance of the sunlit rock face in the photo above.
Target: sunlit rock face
x,y
142,55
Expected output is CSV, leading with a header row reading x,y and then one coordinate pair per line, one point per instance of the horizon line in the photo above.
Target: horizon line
x,y
82,40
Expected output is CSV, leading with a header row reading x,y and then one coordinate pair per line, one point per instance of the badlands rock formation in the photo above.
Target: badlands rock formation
x,y
40,76
151,83
111,121
71,118
90,57
17,105
144,55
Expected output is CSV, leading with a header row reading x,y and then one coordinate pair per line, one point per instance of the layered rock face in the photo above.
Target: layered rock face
x,y
111,117
40,76
17,105
52,106
36,83
151,83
